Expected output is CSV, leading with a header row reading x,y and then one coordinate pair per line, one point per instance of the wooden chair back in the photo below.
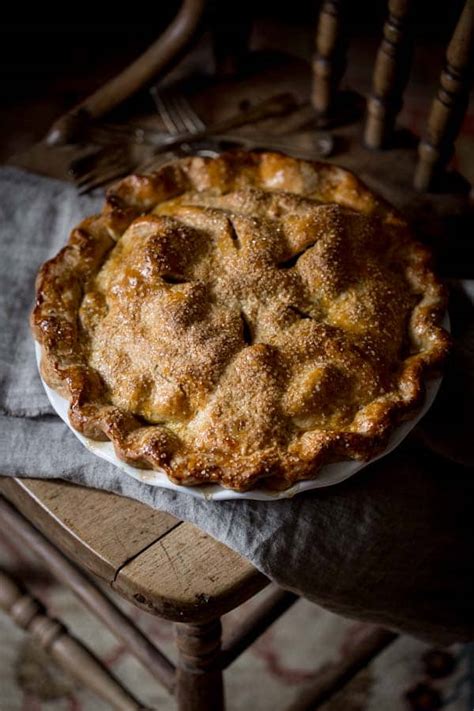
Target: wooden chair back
x,y
390,77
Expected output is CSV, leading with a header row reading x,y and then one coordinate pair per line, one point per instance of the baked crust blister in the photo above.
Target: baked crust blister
x,y
241,320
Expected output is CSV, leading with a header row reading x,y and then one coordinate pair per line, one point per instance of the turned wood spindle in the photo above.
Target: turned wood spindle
x,y
199,684
449,105
330,60
66,650
89,594
390,76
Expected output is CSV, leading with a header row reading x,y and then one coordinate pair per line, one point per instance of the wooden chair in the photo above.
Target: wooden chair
x,y
389,80
162,565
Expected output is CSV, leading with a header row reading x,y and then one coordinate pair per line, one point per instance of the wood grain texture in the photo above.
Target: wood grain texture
x,y
449,105
330,60
100,531
390,76
199,684
175,571
187,576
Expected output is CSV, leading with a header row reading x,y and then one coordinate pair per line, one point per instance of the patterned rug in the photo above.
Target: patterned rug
x,y
408,676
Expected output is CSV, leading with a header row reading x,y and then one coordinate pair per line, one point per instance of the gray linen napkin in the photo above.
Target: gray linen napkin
x,y
393,545
35,216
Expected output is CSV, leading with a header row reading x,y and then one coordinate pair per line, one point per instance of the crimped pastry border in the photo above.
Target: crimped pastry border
x,y
59,290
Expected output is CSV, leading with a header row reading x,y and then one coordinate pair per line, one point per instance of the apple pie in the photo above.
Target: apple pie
x,y
241,320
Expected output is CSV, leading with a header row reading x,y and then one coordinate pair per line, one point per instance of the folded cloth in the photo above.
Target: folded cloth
x,y
392,545
36,215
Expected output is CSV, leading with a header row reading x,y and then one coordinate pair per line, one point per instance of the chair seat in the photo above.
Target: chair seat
x,y
163,565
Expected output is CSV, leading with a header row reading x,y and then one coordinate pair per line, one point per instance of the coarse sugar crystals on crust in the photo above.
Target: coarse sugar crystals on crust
x,y
241,320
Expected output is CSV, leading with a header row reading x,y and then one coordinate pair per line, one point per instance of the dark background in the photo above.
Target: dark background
x,y
47,65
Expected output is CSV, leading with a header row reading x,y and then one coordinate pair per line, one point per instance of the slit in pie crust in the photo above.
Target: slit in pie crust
x,y
241,320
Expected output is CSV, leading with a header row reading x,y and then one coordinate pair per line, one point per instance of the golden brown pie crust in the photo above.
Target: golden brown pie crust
x,y
241,320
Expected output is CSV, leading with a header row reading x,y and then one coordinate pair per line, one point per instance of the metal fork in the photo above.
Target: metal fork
x,y
178,117
95,169
176,112
114,160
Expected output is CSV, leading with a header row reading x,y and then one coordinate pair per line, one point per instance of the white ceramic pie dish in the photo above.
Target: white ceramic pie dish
x,y
329,475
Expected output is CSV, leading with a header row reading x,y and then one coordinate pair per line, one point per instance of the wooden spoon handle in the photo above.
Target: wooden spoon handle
x,y
142,71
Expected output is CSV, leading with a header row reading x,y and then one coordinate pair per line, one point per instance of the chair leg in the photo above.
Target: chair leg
x,y
199,685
